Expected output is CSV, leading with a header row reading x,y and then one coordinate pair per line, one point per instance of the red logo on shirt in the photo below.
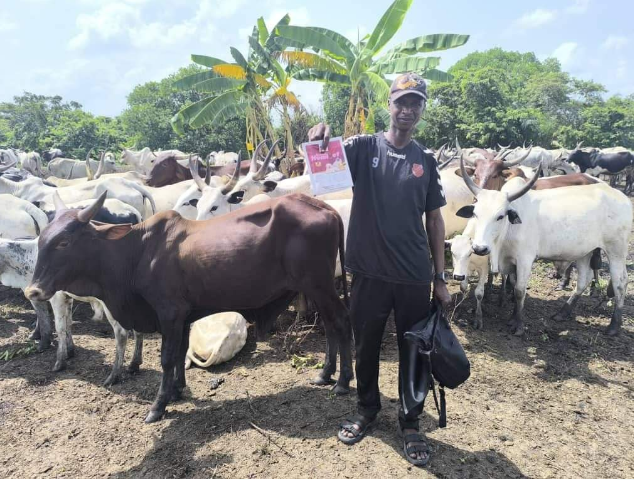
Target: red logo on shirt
x,y
418,170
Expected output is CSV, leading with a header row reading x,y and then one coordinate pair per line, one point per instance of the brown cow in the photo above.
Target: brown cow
x,y
167,170
564,181
491,171
166,272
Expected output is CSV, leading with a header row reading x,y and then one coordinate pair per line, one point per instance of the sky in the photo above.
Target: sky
x,y
95,51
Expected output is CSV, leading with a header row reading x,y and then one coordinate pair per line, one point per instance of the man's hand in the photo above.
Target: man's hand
x,y
441,294
321,131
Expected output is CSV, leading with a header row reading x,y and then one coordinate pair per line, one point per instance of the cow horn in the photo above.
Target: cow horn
x,y
234,179
58,202
579,145
89,173
193,169
262,171
102,160
208,171
459,152
517,161
441,152
254,160
443,165
514,196
152,152
87,214
502,147
467,179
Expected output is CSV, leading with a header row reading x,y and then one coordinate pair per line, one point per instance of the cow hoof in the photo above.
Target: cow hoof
x,y
321,381
35,335
111,380
70,353
59,366
43,345
341,390
133,368
613,331
154,416
177,395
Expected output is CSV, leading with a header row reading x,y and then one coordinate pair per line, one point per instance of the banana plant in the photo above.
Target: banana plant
x,y
250,86
336,59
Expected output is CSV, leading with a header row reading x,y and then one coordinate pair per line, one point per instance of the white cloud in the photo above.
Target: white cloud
x,y
108,22
6,24
567,54
615,42
578,7
536,18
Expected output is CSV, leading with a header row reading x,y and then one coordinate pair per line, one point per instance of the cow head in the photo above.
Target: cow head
x,y
215,200
493,213
252,183
460,256
489,170
67,251
166,170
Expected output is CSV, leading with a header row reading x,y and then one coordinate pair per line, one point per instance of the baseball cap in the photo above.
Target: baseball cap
x,y
407,83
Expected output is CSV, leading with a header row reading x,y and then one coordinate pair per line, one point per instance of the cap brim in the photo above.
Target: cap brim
x,y
401,93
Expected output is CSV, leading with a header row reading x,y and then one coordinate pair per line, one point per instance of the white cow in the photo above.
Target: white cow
x,y
31,162
8,159
34,190
515,226
464,263
222,158
20,218
144,159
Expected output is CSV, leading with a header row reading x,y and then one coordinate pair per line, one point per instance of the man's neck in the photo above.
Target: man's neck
x,y
399,138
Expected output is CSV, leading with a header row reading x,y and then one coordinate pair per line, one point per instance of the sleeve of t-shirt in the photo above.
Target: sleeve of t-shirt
x,y
357,148
435,192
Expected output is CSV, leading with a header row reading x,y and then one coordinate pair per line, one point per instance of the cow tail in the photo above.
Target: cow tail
x,y
342,258
146,194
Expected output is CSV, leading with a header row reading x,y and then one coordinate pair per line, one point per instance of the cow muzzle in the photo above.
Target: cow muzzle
x,y
481,250
35,293
459,278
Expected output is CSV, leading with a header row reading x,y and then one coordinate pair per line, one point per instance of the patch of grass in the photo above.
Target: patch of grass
x,y
15,352
300,363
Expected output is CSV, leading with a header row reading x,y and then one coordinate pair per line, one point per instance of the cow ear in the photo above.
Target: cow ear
x,y
470,171
513,216
112,232
466,211
448,243
192,203
269,186
236,197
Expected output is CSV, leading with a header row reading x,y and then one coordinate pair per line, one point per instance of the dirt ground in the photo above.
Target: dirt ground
x,y
556,403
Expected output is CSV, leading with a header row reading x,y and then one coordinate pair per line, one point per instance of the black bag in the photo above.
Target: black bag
x,y
431,346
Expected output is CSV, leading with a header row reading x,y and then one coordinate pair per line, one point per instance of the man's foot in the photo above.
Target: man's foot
x,y
415,447
353,430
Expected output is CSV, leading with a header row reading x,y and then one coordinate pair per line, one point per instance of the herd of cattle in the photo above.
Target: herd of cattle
x,y
174,239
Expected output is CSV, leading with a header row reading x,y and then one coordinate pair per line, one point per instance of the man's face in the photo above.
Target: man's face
x,y
405,111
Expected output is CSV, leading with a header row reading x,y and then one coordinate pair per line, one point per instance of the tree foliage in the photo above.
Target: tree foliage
x,y
509,97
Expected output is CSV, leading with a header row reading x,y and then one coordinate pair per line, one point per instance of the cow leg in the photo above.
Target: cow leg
x,y
62,311
97,308
137,357
618,273
324,377
121,339
43,327
595,263
301,305
479,295
583,278
338,337
565,278
170,346
523,273
179,369
502,297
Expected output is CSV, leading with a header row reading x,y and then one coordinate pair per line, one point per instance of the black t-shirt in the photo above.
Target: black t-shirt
x,y
393,188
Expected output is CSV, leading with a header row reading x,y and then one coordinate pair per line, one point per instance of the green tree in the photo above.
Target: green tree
x,y
152,105
338,60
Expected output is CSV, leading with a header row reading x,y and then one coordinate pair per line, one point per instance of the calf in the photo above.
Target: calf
x,y
166,272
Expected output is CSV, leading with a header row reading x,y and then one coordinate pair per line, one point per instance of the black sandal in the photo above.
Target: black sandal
x,y
363,424
419,447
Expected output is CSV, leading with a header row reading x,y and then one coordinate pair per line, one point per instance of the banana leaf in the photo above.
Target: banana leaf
x,y
389,24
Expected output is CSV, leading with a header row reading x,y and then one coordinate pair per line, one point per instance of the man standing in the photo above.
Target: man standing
x,y
396,181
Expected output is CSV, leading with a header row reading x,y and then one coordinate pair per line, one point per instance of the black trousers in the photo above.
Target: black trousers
x,y
371,302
